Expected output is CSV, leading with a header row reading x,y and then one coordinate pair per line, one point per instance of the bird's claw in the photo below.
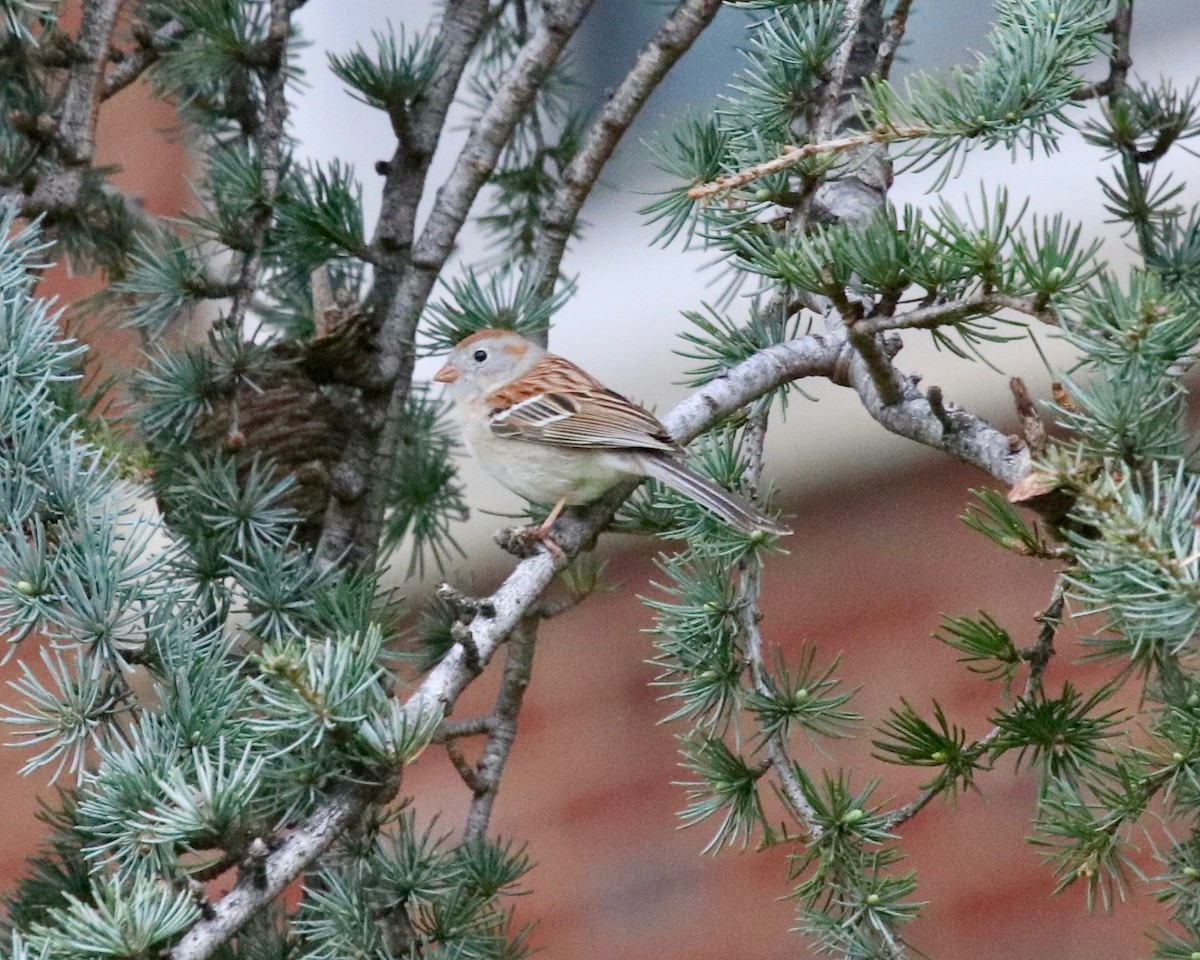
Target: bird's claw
x,y
525,541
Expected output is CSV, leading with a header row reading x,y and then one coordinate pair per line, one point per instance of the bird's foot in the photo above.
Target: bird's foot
x,y
525,541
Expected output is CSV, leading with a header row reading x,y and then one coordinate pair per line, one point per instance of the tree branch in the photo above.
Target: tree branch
x,y
842,83
956,311
150,48
268,138
1037,657
749,610
406,173
793,155
868,344
517,670
893,36
258,887
450,730
945,427
674,37
1120,61
471,170
404,184
59,185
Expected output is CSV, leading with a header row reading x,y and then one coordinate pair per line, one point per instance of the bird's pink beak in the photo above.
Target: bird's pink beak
x,y
448,374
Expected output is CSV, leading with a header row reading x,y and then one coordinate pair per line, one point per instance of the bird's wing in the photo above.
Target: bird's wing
x,y
558,403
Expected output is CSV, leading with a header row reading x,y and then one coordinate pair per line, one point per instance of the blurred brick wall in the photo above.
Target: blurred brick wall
x,y
590,779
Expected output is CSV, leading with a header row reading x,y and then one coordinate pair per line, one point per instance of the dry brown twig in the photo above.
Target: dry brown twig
x,y
793,155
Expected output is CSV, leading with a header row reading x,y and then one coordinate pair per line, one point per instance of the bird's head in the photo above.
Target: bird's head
x,y
486,361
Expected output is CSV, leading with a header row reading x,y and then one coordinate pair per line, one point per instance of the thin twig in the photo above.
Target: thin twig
x,y
1032,427
889,385
268,138
935,789
534,117
466,771
1119,62
893,36
674,37
1037,657
793,155
749,615
517,669
150,49
958,311
470,727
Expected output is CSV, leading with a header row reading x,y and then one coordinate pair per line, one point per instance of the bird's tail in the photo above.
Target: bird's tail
x,y
728,506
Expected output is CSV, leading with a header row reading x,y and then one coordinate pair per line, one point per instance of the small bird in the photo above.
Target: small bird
x,y
552,433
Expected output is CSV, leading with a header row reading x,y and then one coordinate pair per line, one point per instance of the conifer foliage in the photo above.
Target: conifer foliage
x,y
210,669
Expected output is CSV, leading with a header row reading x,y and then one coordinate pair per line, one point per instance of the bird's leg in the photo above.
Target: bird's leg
x,y
543,532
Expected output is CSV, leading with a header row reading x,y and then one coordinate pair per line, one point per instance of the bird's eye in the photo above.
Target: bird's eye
x,y
480,356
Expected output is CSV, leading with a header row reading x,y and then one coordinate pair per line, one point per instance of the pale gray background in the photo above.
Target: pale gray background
x,y
622,322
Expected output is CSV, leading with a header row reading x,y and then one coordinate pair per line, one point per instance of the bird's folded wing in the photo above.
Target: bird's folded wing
x,y
557,403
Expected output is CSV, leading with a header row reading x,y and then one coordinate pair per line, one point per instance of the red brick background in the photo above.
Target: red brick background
x,y
589,783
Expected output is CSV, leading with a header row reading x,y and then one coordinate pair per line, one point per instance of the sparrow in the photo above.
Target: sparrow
x,y
552,433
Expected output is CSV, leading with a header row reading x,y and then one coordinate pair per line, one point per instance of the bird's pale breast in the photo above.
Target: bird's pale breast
x,y
541,472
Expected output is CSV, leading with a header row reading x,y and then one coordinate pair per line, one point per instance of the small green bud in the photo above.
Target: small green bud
x,y
1056,275
801,694
25,588
1193,700
1178,757
853,816
872,899
1195,955
762,194
938,755
1191,873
